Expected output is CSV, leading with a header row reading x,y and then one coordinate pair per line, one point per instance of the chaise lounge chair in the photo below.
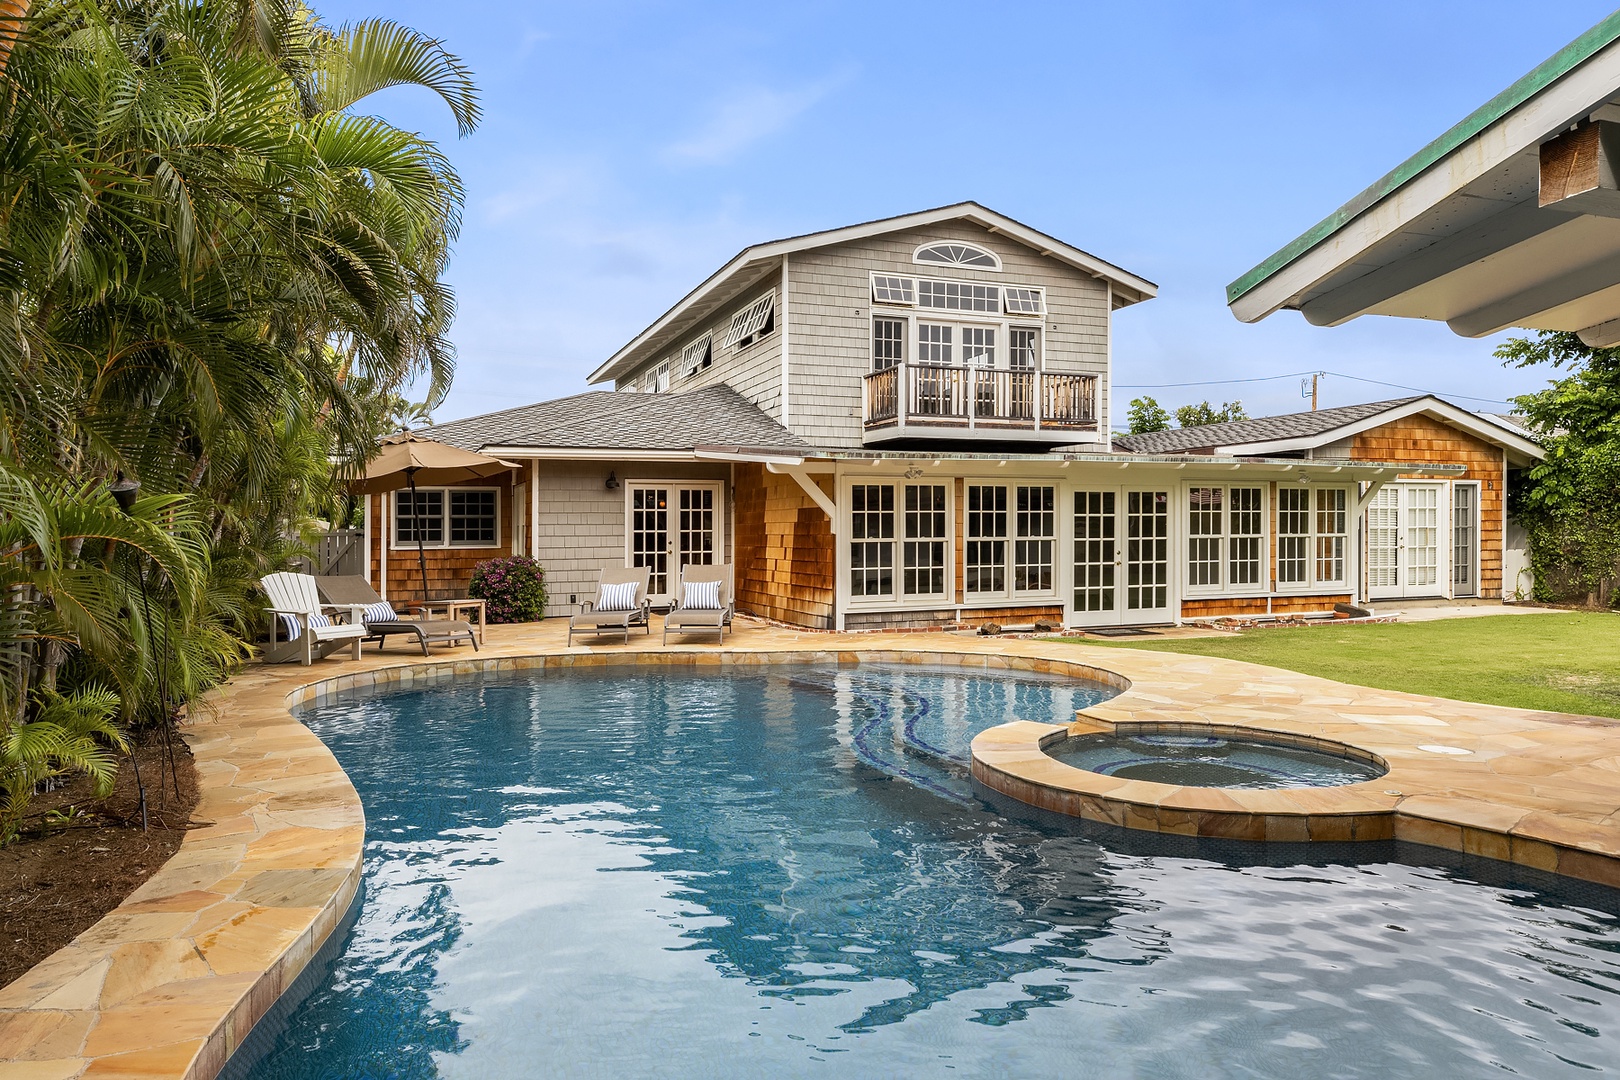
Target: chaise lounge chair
x,y
311,634
354,594
621,602
705,603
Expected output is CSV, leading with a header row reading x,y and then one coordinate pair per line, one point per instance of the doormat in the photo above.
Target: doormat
x,y
1123,631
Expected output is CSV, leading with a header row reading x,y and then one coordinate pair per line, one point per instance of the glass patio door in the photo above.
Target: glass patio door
x,y
1121,558
668,526
1407,555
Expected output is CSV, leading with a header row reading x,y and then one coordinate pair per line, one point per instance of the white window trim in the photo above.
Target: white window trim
x,y
1451,529
916,255
1040,297
1002,324
872,288
1312,583
750,322
971,598
899,600
396,544
693,356
1261,587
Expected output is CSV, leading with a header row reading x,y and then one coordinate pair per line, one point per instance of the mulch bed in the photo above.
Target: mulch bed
x,y
58,879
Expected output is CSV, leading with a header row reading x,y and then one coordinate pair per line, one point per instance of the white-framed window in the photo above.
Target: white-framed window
x,y
1312,537
957,253
1023,300
447,517
933,343
752,322
871,545
899,542
1332,525
984,558
979,346
1035,538
894,289
1023,347
698,355
923,552
660,377
1226,538
888,343
1010,539
958,295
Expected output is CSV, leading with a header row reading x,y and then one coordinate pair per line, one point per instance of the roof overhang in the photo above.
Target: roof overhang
x,y
1484,227
1521,450
753,264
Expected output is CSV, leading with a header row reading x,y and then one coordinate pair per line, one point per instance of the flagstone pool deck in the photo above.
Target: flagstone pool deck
x,y
170,982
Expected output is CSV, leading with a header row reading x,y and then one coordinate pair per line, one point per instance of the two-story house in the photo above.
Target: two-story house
x,y
904,423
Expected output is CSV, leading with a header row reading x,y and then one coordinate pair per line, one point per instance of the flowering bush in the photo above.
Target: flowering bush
x,y
513,589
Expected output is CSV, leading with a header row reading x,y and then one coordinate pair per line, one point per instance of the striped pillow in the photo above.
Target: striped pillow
x,y
291,623
383,612
620,597
701,596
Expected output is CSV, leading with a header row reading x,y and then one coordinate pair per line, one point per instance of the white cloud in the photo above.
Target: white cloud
x,y
748,115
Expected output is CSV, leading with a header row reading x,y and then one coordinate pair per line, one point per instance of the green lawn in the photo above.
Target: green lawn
x,y
1563,662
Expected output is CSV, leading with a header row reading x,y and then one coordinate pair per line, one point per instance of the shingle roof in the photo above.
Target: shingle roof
x,y
614,420
1261,429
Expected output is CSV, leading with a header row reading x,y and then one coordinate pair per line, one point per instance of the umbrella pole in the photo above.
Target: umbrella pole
x,y
416,526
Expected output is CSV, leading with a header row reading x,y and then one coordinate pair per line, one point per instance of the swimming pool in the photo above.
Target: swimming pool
x,y
784,871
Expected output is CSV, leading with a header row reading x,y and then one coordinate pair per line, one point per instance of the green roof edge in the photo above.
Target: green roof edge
x,y
1548,72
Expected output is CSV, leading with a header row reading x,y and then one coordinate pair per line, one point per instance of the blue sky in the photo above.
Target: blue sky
x,y
629,149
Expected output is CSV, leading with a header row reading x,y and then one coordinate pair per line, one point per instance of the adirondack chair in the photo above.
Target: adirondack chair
x,y
354,594
689,618
295,605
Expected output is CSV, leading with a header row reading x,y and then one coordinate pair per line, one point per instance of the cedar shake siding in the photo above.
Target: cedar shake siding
x,y
784,546
449,569
1420,439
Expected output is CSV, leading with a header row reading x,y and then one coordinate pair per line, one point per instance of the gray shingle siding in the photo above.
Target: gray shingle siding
x,y
830,320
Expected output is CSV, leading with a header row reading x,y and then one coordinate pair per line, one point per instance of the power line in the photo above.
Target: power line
x,y
1302,374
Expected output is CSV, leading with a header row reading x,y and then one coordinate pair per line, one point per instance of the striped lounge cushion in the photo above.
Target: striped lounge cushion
x,y
701,596
383,612
290,623
621,597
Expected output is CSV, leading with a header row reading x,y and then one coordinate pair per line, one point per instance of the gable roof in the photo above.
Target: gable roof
x,y
714,416
1291,432
1463,208
752,264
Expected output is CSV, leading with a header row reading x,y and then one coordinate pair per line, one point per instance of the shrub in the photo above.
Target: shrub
x,y
513,589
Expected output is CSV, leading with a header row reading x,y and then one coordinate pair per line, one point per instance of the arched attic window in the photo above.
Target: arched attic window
x,y
953,253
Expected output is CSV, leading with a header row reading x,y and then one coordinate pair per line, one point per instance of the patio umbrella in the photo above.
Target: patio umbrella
x,y
412,458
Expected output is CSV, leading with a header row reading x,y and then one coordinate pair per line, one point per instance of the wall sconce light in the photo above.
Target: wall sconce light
x,y
1304,479
612,481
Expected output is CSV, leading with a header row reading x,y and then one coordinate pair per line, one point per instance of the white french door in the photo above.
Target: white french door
x,y
668,526
1407,552
1121,558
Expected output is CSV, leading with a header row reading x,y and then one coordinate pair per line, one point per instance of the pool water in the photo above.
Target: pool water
x,y
784,872
1210,761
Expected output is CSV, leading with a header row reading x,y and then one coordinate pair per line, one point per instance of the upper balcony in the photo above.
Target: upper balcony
x,y
929,401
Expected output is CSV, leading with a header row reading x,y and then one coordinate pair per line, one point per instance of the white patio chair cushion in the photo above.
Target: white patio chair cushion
x,y
701,596
621,597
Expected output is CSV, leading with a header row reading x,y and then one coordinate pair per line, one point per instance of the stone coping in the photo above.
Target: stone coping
x,y
1537,789
170,982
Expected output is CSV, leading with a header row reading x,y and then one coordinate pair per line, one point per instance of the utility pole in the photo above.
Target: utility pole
x,y
1307,387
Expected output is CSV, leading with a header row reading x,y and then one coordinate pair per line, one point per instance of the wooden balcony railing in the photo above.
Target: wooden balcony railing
x,y
932,395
